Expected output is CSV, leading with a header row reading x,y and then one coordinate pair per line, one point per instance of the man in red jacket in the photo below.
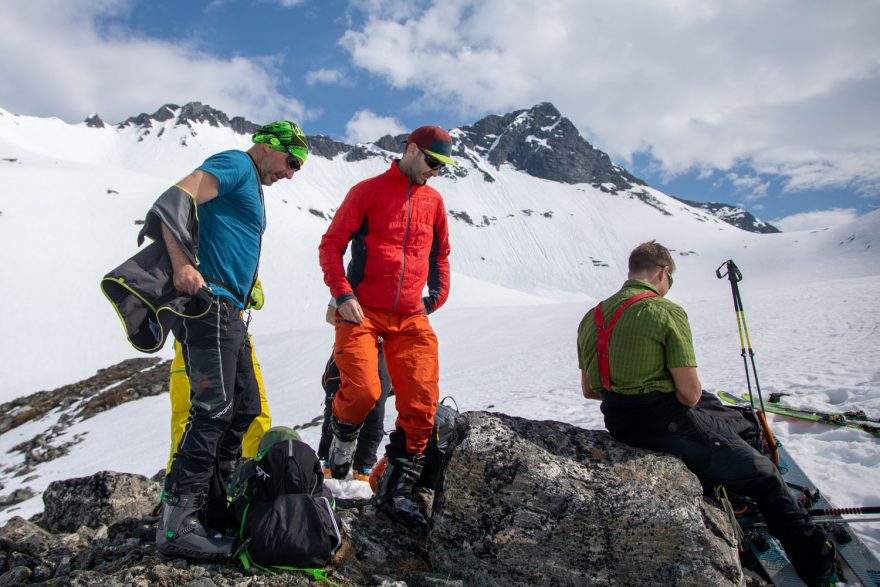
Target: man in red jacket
x,y
398,230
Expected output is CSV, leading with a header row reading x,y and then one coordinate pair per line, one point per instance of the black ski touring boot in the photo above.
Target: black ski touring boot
x,y
394,493
180,533
813,559
342,447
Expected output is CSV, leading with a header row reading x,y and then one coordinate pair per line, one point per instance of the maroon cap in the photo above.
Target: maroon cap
x,y
435,141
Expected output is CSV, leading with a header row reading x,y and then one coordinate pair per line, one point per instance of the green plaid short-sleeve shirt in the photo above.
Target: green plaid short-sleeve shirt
x,y
651,336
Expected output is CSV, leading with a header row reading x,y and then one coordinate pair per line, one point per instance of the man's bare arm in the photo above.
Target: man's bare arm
x,y
202,186
687,385
588,392
186,277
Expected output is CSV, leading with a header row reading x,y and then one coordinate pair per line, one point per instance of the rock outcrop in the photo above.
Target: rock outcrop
x,y
733,215
522,503
543,143
531,503
102,499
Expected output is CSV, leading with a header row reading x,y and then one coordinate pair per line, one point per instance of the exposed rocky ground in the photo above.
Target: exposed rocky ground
x,y
67,405
522,503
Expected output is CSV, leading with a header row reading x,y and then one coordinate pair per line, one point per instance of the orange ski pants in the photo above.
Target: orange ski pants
x,y
411,357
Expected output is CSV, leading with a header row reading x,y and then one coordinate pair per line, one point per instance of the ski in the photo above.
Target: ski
x,y
858,565
850,417
830,418
856,562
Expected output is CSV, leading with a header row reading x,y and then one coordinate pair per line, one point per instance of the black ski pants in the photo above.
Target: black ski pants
x,y
709,439
372,432
224,392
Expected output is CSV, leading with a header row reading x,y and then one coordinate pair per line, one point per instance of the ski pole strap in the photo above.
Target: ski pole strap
x,y
768,438
603,334
724,500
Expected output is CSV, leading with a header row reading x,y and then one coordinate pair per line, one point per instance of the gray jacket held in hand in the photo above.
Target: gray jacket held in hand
x,y
142,290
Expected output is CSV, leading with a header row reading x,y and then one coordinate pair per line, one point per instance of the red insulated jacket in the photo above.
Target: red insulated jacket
x,y
400,242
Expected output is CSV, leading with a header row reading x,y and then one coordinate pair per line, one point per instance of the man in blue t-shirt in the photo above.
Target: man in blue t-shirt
x,y
227,189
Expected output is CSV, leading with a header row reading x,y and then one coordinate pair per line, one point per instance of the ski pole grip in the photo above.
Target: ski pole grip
x,y
733,273
732,268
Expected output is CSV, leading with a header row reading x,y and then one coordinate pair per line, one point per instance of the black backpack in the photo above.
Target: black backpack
x,y
285,513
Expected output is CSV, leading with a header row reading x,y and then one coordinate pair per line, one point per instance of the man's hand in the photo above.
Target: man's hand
x,y
351,311
188,280
186,277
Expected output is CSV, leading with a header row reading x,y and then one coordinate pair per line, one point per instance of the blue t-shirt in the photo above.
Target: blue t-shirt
x,y
231,224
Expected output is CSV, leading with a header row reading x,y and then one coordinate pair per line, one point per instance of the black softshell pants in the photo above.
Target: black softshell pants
x,y
709,438
224,392
372,432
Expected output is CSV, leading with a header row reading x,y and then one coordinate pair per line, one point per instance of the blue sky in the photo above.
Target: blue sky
x,y
771,105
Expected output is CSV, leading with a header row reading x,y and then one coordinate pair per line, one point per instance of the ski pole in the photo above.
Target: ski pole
x,y
734,275
851,511
848,521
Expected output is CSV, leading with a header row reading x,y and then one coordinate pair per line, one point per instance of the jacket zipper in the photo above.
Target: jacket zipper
x,y
403,254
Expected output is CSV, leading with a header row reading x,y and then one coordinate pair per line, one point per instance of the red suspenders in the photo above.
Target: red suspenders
x,y
604,335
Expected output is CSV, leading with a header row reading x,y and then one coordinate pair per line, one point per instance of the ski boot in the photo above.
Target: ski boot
x,y
361,473
813,559
180,533
394,495
342,447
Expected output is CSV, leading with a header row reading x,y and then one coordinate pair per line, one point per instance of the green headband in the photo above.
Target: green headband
x,y
284,136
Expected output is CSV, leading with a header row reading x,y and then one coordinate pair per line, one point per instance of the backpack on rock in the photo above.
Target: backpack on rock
x,y
286,514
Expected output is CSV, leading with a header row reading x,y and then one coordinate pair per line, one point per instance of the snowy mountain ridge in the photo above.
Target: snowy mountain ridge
x,y
734,215
539,141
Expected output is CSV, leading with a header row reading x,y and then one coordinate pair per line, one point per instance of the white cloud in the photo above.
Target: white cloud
x,y
366,126
750,187
57,48
787,87
815,219
327,76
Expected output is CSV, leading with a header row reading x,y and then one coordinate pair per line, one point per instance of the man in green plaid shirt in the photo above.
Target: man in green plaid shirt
x,y
645,374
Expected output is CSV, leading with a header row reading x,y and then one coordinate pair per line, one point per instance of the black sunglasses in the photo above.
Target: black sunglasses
x,y
432,161
668,274
294,163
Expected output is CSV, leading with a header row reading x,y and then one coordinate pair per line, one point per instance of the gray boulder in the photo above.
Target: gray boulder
x,y
527,503
102,499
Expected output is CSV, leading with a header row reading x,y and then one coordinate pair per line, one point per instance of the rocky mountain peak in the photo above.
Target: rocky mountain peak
x,y
734,215
539,141
192,112
94,121
543,143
